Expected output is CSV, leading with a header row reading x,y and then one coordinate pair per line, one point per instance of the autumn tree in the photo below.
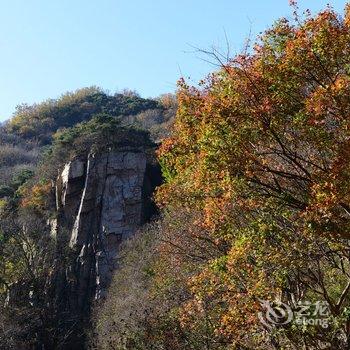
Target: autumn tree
x,y
261,151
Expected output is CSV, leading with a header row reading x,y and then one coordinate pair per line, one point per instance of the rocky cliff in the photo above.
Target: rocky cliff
x,y
100,201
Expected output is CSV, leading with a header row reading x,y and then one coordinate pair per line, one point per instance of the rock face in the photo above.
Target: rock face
x,y
100,201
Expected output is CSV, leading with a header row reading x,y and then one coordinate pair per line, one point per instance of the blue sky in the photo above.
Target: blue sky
x,y
52,46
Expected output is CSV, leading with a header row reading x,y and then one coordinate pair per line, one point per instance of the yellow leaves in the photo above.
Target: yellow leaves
x,y
347,15
37,196
341,83
324,193
13,269
3,203
324,198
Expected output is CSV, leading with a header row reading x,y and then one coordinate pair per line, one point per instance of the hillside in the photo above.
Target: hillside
x,y
32,128
37,144
39,122
216,219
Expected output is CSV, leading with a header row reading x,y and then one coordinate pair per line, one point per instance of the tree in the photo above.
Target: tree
x,y
261,150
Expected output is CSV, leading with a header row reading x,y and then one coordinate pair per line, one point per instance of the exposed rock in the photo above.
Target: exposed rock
x,y
100,202
69,187
110,210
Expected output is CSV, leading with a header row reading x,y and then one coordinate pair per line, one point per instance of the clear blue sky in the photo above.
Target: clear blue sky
x,y
52,46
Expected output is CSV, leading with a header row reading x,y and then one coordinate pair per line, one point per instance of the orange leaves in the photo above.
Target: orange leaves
x,y
262,153
347,15
167,146
323,197
37,196
329,101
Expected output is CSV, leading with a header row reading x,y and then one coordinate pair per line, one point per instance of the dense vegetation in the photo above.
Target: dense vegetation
x,y
38,139
256,205
40,121
35,144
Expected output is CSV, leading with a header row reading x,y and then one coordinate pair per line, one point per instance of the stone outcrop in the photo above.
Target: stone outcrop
x,y
100,202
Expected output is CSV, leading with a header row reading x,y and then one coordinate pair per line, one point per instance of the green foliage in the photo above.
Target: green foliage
x,y
21,177
102,133
18,179
42,120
